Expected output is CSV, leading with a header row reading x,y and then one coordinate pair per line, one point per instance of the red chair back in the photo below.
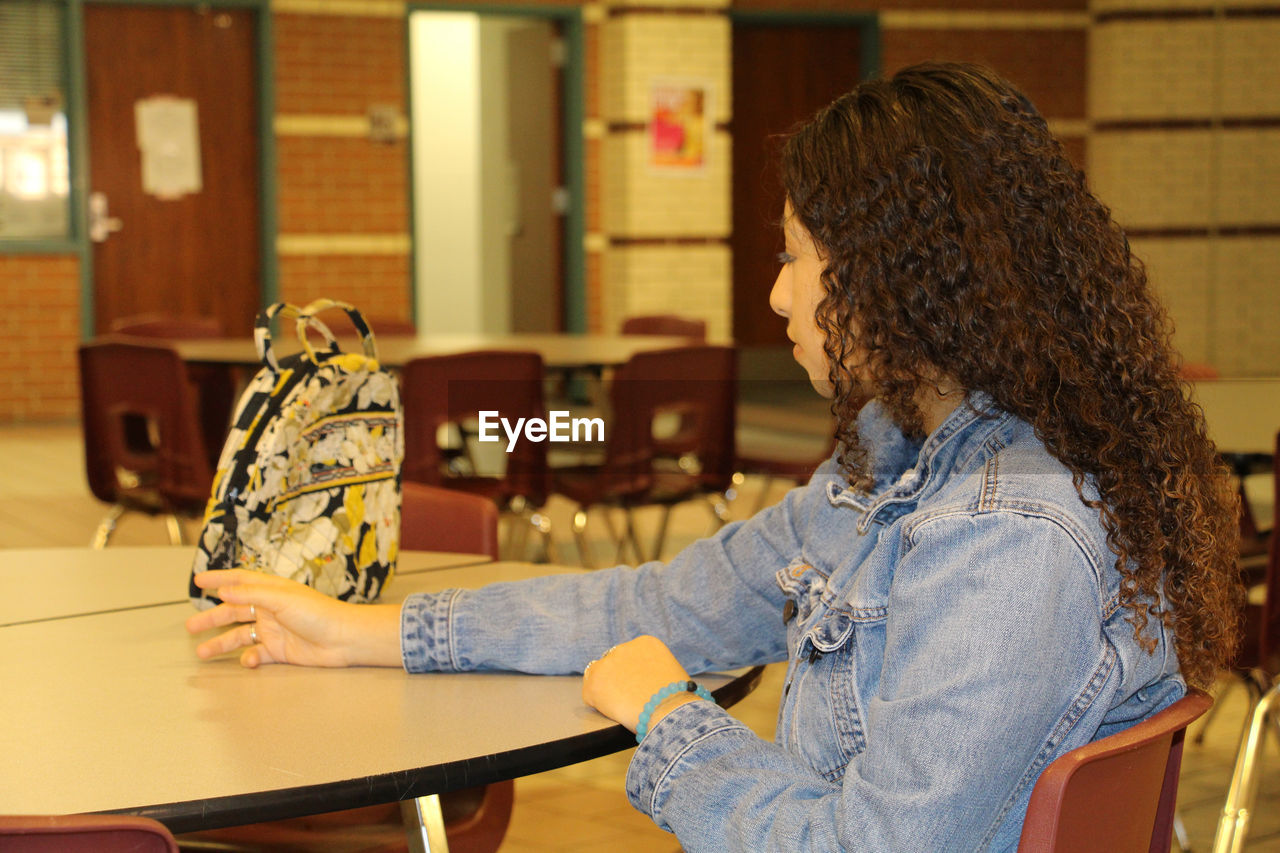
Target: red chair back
x,y
452,389
84,834
1117,793
214,384
665,324
694,382
141,432
434,519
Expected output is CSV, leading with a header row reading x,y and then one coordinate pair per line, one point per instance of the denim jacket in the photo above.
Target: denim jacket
x,y
948,633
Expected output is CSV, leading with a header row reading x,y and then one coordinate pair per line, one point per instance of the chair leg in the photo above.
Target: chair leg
x,y
541,522
517,540
1233,826
719,509
631,537
660,540
1180,834
613,531
175,530
1198,737
106,527
424,825
580,536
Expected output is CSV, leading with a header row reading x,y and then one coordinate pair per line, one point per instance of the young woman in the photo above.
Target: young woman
x,y
1025,542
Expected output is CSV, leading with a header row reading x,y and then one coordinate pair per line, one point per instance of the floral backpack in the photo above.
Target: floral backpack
x,y
308,485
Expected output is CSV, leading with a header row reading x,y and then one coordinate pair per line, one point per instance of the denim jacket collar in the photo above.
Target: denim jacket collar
x,y
903,469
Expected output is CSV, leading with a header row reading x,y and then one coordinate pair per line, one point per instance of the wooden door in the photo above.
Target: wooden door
x,y
196,254
533,105
782,74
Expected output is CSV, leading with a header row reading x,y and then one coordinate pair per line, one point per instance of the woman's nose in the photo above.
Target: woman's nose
x,y
780,296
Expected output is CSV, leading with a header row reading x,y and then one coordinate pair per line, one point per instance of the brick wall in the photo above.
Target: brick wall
x,y
39,331
343,197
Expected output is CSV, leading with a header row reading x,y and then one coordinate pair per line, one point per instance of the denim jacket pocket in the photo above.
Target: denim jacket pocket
x,y
822,713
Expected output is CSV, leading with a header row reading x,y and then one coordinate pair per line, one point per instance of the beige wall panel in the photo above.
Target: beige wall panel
x,y
646,201
1153,178
1249,173
1179,272
1251,67
642,47
1247,270
693,281
1152,69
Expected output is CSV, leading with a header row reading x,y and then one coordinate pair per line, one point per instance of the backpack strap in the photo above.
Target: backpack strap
x,y
357,320
262,333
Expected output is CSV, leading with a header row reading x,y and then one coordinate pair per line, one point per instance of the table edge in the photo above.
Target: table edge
x,y
286,803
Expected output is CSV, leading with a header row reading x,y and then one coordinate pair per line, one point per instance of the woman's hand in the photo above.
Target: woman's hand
x,y
621,681
281,621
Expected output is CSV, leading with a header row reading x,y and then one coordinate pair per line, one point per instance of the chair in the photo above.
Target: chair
x,y
666,324
677,443
215,384
1258,665
697,384
797,469
435,519
91,833
443,395
1115,794
475,819
144,448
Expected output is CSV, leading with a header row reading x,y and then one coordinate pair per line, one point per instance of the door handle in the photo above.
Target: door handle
x,y
101,225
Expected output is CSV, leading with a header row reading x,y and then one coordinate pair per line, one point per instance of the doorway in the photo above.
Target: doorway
x,y
172,106
777,83
489,177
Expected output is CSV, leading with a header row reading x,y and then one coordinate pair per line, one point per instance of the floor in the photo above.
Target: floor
x,y
44,502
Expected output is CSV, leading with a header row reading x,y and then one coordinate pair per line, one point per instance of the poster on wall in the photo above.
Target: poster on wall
x,y
169,142
679,120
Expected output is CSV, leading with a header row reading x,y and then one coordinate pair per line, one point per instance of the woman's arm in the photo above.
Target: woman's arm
x,y
716,605
292,623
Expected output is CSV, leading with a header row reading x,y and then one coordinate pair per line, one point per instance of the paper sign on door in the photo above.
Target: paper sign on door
x,y
169,141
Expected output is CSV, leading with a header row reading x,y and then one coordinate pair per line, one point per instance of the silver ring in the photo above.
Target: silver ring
x,y
253,613
253,634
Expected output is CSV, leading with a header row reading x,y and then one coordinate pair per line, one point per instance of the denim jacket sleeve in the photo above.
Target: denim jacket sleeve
x,y
707,605
936,696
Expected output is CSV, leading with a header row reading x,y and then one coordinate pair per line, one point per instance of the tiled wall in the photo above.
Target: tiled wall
x,y
1185,148
665,233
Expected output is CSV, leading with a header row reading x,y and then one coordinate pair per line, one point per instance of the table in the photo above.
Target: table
x,y
558,351
111,711
39,584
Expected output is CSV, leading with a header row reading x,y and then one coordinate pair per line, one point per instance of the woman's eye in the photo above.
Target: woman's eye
x,y
784,258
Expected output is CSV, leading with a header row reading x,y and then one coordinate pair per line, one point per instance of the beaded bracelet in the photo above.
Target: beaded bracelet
x,y
642,728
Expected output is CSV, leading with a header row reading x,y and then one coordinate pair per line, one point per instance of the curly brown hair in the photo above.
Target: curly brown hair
x,y
959,240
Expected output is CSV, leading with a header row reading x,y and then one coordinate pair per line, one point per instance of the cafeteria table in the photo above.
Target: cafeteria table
x,y
38,584
110,710
559,352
